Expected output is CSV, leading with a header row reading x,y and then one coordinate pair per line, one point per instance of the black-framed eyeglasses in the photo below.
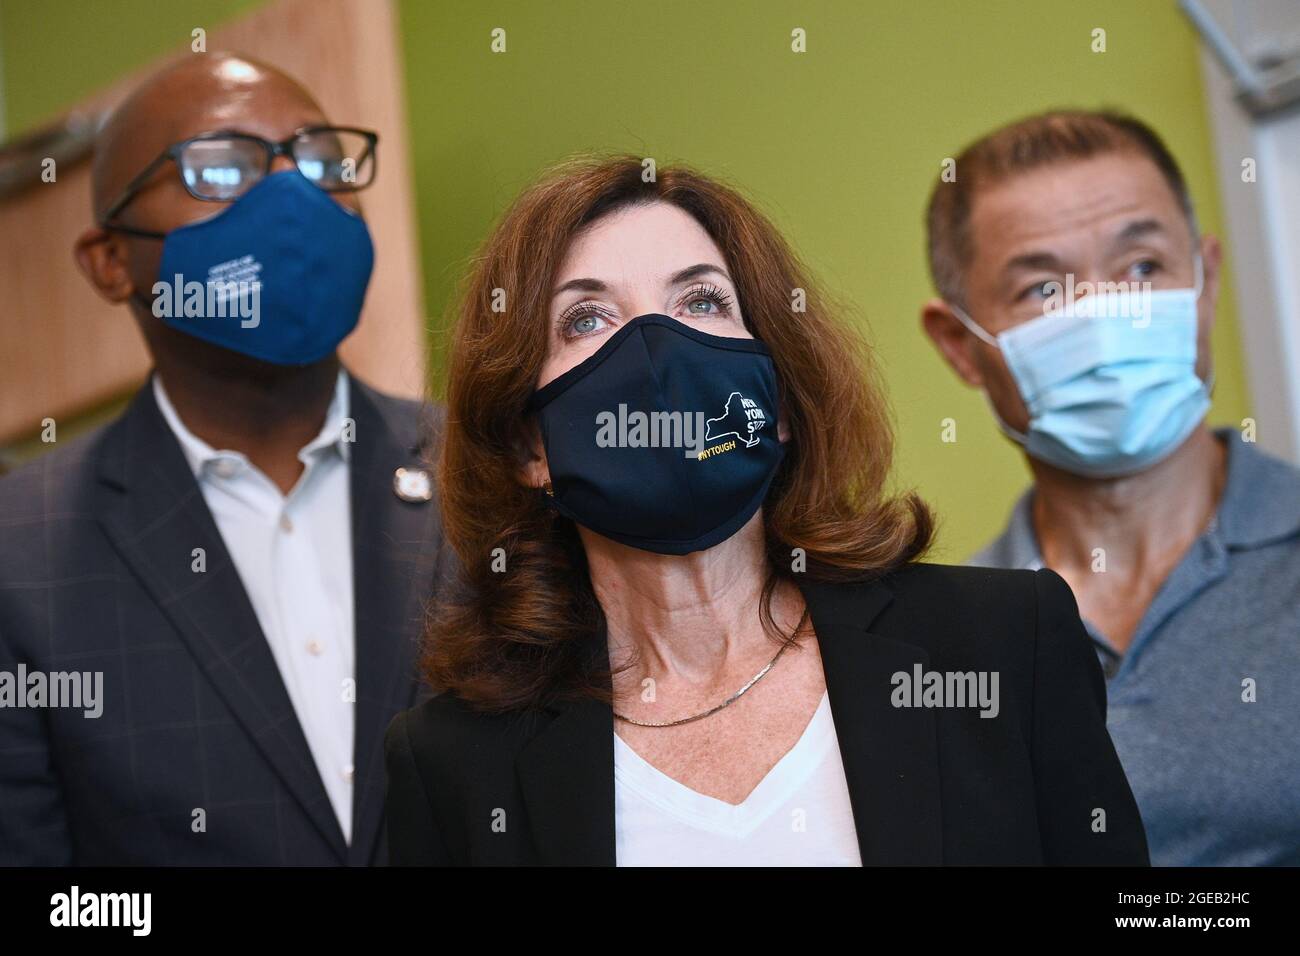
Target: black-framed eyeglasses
x,y
222,166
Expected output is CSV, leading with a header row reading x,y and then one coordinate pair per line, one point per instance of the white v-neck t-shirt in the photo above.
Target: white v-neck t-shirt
x,y
798,815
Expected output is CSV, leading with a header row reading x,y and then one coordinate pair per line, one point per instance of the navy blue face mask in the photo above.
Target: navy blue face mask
x,y
280,275
665,439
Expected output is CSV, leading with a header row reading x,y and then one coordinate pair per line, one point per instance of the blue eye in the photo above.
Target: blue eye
x,y
706,300
582,319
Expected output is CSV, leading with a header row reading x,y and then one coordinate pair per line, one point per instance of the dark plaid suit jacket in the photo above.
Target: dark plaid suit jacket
x,y
97,574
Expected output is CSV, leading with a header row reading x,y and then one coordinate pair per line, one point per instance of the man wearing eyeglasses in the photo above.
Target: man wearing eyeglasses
x,y
243,556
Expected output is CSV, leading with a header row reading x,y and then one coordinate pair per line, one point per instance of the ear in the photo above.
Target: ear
x,y
1211,271
1207,308
953,340
101,256
533,472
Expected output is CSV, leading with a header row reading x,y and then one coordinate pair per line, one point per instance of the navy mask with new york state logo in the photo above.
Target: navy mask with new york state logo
x,y
665,438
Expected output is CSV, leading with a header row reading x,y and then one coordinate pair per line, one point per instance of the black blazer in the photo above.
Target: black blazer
x,y
96,575
927,786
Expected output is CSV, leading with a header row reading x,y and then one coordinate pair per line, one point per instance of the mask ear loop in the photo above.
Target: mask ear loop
x,y
972,326
1020,438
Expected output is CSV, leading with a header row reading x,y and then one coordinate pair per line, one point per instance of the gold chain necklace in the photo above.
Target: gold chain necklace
x,y
713,710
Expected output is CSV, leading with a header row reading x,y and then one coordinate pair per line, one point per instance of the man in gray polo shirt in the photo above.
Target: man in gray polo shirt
x,y
1076,291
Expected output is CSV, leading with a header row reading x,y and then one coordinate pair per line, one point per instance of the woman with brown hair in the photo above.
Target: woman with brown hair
x,y
691,626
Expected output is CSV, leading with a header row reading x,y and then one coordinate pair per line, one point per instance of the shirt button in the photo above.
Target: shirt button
x,y
314,648
348,773
285,524
225,467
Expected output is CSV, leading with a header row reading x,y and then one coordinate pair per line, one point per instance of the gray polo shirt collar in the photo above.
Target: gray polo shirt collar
x,y
1261,499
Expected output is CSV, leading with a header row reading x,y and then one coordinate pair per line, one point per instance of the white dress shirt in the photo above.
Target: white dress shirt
x,y
294,555
798,815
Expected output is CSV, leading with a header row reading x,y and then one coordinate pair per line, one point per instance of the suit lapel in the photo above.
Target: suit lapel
x,y
567,776
890,754
395,553
154,514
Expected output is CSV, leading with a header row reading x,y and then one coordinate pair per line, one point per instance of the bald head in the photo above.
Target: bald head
x,y
199,93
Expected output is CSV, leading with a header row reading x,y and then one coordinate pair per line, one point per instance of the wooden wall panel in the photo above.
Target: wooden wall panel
x,y
63,350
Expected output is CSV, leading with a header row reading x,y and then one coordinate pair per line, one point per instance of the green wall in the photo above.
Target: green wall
x,y
54,52
839,145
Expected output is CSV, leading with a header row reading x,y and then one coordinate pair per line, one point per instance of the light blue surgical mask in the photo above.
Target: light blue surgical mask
x,y
1109,380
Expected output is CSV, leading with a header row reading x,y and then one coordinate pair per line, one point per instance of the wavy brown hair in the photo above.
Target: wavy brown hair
x,y
515,639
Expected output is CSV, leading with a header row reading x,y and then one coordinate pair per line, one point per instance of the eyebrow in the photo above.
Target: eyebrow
x,y
1032,261
1047,261
684,275
695,271
1138,229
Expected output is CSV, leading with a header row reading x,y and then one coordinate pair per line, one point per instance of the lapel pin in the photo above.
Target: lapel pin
x,y
413,484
